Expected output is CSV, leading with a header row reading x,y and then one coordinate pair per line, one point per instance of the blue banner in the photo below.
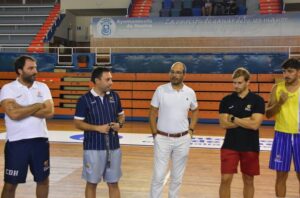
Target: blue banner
x,y
198,62
45,61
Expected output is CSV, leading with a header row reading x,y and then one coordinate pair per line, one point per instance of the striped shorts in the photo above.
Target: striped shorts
x,y
285,147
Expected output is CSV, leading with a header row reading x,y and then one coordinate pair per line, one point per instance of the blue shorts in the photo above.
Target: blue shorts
x,y
95,166
285,147
23,153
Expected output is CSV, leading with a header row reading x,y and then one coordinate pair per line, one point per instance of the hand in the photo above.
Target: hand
x,y
283,97
191,133
103,128
115,126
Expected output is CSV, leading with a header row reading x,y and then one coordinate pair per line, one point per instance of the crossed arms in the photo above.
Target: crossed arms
x,y
252,122
18,112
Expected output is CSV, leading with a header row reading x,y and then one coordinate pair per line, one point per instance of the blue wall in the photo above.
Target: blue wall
x,y
198,62
161,62
45,61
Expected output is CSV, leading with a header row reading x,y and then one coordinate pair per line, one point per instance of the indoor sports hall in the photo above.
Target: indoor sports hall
x,y
139,40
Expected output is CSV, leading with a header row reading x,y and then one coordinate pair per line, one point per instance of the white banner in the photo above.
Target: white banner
x,y
212,26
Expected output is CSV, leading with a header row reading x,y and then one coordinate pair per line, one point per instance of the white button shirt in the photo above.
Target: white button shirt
x,y
30,127
173,107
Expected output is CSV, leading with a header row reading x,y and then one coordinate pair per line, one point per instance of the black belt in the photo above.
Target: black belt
x,y
172,134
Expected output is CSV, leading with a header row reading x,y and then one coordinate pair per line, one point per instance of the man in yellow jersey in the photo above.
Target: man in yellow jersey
x,y
284,105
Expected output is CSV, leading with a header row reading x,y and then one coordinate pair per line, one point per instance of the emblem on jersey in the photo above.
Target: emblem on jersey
x,y
46,165
39,94
111,99
248,107
230,107
278,159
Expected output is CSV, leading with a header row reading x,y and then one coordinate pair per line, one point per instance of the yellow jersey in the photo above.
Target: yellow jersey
x,y
287,119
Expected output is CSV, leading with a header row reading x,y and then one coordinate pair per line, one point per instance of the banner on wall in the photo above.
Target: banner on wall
x,y
198,62
211,26
45,61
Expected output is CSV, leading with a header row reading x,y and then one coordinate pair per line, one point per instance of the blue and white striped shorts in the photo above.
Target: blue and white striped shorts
x,y
285,147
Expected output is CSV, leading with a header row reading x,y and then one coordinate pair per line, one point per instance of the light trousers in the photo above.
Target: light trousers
x,y
166,148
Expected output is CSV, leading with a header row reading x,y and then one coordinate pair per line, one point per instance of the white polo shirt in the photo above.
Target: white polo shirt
x,y
30,127
173,107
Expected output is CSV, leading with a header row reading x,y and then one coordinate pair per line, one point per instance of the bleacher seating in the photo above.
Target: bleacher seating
x,y
194,8
136,90
37,43
141,8
20,23
270,6
19,2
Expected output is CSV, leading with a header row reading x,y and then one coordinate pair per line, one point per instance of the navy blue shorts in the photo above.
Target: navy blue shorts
x,y
23,153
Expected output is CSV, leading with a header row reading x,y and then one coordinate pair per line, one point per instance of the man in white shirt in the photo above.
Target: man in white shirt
x,y
172,133
26,103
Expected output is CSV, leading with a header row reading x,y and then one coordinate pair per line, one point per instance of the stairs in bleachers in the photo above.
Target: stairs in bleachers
x,y
37,43
141,8
20,23
270,6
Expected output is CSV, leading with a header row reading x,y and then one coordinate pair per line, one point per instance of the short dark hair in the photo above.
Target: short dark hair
x,y
20,62
241,71
97,73
291,63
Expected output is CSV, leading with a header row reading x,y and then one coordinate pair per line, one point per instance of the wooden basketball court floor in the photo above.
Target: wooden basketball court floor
x,y
201,179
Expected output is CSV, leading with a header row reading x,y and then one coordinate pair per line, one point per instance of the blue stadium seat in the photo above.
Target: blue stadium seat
x,y
187,3
186,12
175,12
196,11
177,4
242,10
167,4
164,13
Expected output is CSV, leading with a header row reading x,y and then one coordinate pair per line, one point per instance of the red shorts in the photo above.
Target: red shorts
x,y
230,160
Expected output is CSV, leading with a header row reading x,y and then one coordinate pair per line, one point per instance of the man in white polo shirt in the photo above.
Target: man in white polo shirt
x,y
26,103
172,133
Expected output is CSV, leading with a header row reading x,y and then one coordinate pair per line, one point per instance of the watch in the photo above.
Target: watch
x,y
232,118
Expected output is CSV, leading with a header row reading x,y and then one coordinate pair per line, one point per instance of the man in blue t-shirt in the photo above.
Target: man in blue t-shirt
x,y
100,115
